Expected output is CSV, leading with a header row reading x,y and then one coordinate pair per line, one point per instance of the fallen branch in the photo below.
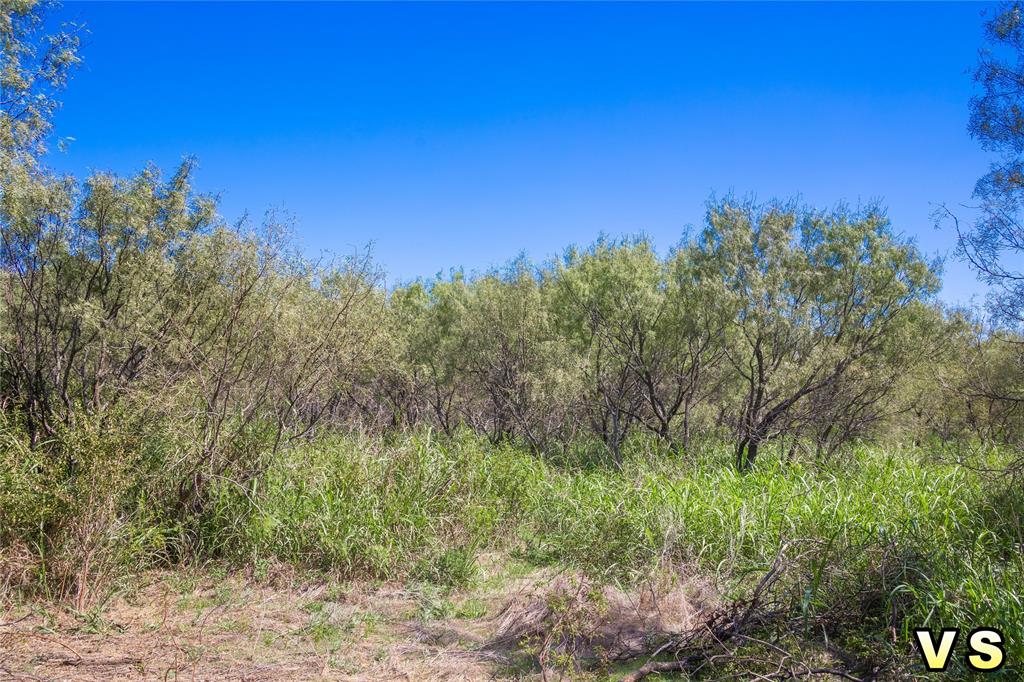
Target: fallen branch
x,y
729,624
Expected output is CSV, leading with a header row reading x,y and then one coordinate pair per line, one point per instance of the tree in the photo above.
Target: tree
x,y
608,299
512,356
34,68
91,290
35,209
682,365
435,345
994,245
813,296
866,398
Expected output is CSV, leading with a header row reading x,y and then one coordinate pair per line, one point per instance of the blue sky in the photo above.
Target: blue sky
x,y
464,134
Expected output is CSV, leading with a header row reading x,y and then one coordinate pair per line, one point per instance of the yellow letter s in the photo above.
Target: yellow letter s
x,y
988,653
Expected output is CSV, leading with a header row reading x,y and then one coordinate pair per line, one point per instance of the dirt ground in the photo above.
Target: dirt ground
x,y
175,628
205,626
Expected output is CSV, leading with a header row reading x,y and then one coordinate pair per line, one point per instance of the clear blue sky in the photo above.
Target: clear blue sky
x,y
463,134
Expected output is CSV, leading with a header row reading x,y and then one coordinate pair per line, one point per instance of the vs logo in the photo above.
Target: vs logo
x,y
985,649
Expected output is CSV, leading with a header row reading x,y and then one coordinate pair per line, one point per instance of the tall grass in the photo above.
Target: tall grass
x,y
883,541
363,508
880,541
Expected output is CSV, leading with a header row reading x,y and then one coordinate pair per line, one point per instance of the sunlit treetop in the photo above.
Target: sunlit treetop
x,y
36,65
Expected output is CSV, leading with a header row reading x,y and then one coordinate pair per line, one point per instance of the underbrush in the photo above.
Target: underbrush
x,y
872,545
415,508
81,512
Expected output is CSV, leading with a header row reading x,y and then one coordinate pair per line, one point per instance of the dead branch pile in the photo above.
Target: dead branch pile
x,y
572,622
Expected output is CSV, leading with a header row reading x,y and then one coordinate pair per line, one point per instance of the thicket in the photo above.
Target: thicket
x,y
176,387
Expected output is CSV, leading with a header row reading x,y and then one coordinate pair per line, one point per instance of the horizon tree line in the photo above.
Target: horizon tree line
x,y
131,300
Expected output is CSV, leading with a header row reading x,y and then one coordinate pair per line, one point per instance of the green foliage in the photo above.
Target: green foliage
x,y
361,508
84,514
880,540
176,389
815,296
994,244
35,68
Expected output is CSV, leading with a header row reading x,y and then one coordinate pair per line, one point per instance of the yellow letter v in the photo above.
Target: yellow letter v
x,y
935,659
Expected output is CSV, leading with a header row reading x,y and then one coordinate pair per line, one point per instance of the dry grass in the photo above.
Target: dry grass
x,y
234,629
177,626
569,619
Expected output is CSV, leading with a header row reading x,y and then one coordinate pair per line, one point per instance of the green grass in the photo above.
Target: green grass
x,y
886,540
879,542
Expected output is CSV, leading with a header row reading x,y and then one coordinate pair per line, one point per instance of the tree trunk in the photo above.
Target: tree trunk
x,y
615,440
686,426
746,453
741,448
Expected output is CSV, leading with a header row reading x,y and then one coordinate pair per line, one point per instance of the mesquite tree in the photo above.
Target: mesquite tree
x,y
994,245
608,300
813,296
